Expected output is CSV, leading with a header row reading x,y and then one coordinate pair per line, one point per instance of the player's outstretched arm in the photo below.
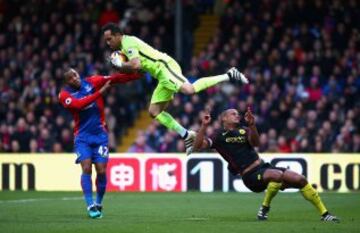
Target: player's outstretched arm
x,y
98,81
253,135
68,101
201,142
123,78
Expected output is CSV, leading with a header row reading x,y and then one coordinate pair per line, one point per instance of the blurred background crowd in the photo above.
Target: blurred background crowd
x,y
302,59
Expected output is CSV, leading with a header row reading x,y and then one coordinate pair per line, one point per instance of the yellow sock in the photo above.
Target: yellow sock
x,y
271,191
312,195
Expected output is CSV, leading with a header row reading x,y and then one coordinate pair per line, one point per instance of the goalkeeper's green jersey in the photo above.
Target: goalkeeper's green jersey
x,y
150,58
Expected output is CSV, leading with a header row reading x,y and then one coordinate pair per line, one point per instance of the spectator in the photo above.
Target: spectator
x,y
33,146
22,136
15,146
109,15
167,143
140,146
283,146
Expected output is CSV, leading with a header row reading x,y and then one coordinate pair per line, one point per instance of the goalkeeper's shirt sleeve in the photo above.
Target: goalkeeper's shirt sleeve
x,y
130,47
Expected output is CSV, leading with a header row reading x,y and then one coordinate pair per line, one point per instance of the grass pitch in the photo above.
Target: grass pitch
x,y
53,212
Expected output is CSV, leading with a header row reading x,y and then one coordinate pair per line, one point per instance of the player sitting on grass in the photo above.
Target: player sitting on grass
x,y
168,73
83,98
236,145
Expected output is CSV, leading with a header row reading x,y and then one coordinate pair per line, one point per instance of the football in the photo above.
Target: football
x,y
117,58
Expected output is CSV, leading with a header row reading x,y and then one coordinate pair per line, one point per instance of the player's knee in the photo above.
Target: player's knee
x,y
101,172
277,177
302,181
153,112
87,169
187,89
294,179
100,169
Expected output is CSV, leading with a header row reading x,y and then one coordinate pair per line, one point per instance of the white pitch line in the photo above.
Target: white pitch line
x,y
41,199
196,219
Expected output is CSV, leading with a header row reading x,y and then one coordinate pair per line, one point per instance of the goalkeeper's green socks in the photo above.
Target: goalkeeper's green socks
x,y
169,122
206,82
312,196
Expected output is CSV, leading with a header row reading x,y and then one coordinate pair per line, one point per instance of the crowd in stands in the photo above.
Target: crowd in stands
x,y
302,59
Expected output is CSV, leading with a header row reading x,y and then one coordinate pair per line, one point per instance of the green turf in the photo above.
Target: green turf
x,y
52,212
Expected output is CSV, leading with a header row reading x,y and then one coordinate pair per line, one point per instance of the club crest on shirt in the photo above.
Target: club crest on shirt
x,y
68,101
242,131
130,51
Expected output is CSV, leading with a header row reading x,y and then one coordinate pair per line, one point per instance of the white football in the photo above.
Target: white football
x,y
117,58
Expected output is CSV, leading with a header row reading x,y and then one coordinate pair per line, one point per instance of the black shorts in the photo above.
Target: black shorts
x,y
253,179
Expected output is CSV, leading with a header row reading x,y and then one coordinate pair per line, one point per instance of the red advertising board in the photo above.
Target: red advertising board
x,y
123,174
163,174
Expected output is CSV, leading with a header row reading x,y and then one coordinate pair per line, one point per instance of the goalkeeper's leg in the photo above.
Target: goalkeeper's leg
x,y
201,84
157,111
173,72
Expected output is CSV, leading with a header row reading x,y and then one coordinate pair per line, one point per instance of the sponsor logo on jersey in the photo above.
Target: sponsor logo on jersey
x,y
88,88
238,139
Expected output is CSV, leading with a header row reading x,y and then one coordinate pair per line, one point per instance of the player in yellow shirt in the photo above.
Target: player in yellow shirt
x,y
143,57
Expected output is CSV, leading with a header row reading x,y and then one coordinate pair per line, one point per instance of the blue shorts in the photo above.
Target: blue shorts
x,y
95,149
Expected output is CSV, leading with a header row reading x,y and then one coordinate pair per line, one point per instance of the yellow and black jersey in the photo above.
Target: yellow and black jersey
x,y
234,147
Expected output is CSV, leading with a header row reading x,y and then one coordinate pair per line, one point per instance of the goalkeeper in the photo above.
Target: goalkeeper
x,y
168,73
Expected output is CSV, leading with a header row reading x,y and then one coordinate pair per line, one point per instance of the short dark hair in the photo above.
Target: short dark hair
x,y
113,27
67,73
222,115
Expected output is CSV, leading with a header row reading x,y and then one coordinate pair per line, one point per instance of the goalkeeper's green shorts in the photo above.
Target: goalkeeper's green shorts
x,y
170,79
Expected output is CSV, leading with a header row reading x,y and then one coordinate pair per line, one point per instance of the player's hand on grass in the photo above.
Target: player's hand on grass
x,y
104,88
249,117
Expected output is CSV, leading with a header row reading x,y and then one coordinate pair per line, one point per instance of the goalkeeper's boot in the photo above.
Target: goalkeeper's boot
x,y
189,141
263,213
93,212
99,207
327,217
236,76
